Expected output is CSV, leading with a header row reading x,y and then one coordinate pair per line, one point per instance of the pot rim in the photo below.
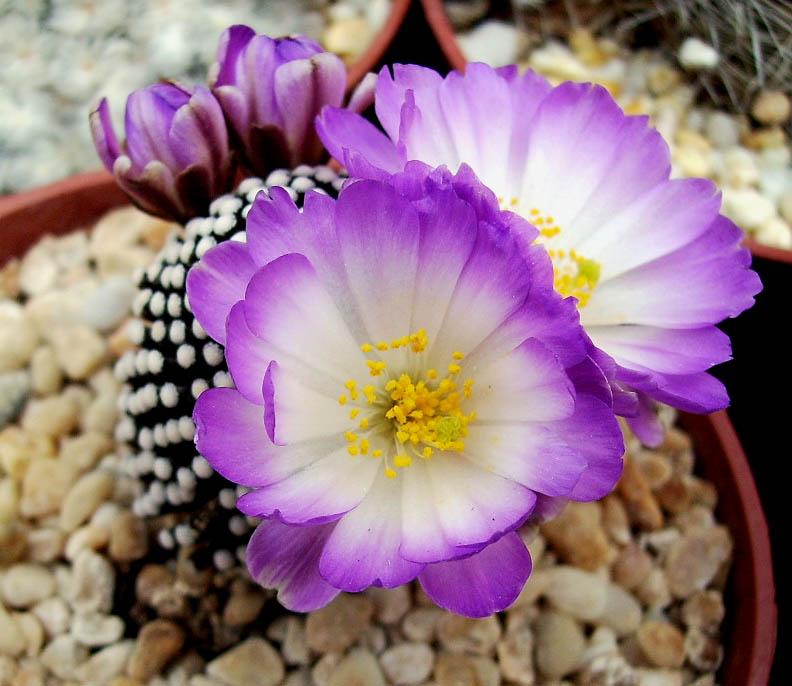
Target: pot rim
x,y
444,33
382,41
92,194
768,252
751,643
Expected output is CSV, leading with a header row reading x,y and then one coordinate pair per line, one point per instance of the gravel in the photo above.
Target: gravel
x,y
66,55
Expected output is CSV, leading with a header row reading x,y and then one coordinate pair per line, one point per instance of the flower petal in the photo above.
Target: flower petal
x,y
233,41
482,584
343,131
701,393
594,431
363,549
579,133
379,234
295,412
288,307
529,453
275,227
246,355
645,424
302,87
321,492
230,435
450,505
668,351
104,136
527,385
658,293
363,96
216,283
287,558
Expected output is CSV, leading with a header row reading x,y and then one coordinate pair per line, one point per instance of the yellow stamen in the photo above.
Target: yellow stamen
x,y
375,367
402,460
424,410
573,274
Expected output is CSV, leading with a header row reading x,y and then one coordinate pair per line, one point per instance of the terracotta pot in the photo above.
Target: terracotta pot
x,y
444,32
751,624
370,59
55,209
768,253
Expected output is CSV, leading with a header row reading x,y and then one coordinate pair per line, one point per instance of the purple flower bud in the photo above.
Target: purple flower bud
x,y
176,158
271,90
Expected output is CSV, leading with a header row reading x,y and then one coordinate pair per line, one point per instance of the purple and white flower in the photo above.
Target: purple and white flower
x,y
409,390
176,157
271,89
652,263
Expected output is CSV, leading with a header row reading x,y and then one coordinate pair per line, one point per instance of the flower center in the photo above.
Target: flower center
x,y
416,412
573,273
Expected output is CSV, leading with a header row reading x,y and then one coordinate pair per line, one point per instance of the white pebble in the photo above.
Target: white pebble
x,y
696,55
495,42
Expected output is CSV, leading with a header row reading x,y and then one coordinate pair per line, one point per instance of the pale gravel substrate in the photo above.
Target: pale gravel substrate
x,y
749,158
60,56
625,592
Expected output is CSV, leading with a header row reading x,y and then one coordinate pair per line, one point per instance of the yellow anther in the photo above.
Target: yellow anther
x,y
402,460
342,400
352,386
375,367
467,388
419,340
425,410
573,274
